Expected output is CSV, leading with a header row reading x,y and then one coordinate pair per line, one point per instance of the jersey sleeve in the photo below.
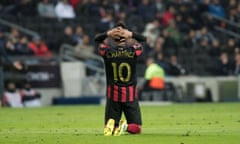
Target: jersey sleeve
x,y
139,37
100,37
102,49
138,49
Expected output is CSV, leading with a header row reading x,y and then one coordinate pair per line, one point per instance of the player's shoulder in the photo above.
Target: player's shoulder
x,y
104,46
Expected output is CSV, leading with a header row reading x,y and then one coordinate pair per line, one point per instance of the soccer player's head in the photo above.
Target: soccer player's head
x,y
119,38
120,25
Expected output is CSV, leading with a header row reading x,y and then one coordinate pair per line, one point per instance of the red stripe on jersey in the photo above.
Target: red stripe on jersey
x,y
138,49
102,48
138,52
131,93
101,52
109,91
115,93
124,94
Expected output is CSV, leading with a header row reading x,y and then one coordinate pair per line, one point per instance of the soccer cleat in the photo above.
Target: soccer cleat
x,y
108,130
122,128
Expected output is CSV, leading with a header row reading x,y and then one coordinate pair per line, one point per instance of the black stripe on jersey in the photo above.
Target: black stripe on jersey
x,y
111,91
119,94
127,93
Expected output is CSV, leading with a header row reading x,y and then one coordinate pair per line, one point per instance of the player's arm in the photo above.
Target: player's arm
x,y
100,37
113,33
134,35
138,37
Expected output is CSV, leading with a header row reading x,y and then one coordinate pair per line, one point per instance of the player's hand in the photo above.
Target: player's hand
x,y
18,65
113,32
125,33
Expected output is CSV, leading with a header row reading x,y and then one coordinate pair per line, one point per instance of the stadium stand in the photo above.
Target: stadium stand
x,y
187,29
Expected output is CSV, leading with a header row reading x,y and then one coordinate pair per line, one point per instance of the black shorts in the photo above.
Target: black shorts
x,y
131,111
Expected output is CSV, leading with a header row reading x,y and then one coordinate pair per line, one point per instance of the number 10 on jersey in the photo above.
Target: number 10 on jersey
x,y
118,72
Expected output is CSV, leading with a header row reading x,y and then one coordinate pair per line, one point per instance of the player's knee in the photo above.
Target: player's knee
x,y
134,128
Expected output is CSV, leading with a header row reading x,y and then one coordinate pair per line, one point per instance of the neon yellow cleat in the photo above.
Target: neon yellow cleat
x,y
108,130
122,128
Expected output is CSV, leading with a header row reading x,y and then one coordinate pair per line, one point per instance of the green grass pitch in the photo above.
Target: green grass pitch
x,y
171,124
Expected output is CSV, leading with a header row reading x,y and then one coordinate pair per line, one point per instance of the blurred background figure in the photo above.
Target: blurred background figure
x,y
30,97
176,69
12,97
64,10
223,66
46,9
39,48
154,81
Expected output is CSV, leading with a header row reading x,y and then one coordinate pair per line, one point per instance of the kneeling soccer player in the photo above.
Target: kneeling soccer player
x,y
120,66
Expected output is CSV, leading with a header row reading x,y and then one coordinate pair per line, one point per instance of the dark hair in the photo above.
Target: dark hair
x,y
120,24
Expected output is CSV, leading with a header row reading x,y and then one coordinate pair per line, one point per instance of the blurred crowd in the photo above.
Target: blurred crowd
x,y
177,31
24,97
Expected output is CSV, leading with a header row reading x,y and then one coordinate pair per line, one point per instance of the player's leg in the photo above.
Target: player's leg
x,y
113,113
133,116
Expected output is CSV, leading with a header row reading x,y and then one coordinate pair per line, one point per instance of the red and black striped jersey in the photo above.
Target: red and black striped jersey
x,y
120,66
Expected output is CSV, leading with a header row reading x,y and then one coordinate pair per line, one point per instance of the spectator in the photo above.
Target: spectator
x,y
203,7
216,9
74,3
215,49
12,96
208,21
106,5
159,7
105,23
85,45
13,39
175,69
168,15
160,60
223,66
82,8
117,7
131,5
232,16
238,12
236,70
145,10
182,25
78,36
190,41
46,9
231,3
152,31
204,34
158,46
68,36
64,10
30,97
94,8
39,48
169,46
25,8
4,56
174,33
14,36
22,47
230,47
201,48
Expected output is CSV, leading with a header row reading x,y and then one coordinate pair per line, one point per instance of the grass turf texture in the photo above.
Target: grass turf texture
x,y
172,124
